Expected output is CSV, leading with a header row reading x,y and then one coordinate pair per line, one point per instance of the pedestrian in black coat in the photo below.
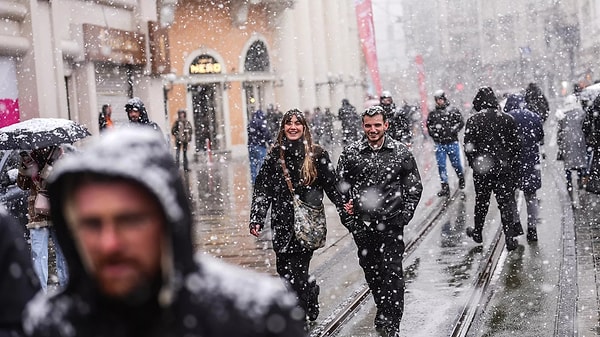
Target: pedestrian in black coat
x,y
311,174
380,179
18,281
400,126
350,122
536,101
124,221
492,149
591,130
529,179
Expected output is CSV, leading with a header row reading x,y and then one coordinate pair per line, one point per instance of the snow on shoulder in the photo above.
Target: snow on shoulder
x,y
251,292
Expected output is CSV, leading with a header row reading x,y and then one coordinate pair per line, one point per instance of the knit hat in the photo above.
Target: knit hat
x,y
485,99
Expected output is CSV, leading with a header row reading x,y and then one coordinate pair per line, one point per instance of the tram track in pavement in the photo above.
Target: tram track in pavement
x,y
468,312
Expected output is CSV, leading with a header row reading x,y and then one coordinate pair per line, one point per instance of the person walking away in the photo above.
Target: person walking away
x,y
571,141
443,125
34,168
536,101
18,283
399,124
380,180
137,114
311,174
182,132
259,138
350,122
316,120
126,231
591,130
492,150
327,128
273,120
105,118
529,177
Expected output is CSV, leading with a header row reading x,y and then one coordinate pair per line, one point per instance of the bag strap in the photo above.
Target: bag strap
x,y
286,173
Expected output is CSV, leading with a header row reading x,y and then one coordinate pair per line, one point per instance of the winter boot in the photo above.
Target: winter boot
x,y
511,243
312,310
461,181
445,191
474,234
531,234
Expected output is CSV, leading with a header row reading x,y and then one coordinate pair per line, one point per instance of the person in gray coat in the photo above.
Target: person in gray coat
x,y
571,140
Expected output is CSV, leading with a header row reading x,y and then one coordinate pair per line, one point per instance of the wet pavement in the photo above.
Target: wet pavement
x,y
542,289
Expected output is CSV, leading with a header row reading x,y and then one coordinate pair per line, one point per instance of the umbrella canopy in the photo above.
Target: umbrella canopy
x,y
37,133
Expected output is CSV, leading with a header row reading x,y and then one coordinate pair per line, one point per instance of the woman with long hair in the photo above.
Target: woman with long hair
x,y
311,173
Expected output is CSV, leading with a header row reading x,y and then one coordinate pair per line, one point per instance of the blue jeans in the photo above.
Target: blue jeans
x,y
452,150
257,154
39,255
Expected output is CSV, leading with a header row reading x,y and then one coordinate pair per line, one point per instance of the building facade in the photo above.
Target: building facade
x,y
219,60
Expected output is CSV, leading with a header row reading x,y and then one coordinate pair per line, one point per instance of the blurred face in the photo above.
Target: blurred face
x,y
119,228
439,101
375,129
293,129
134,115
109,110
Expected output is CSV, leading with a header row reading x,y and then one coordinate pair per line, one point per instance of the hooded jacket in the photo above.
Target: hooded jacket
x,y
196,296
570,137
143,119
491,142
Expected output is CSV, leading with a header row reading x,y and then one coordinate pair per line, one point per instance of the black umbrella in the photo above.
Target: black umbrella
x,y
37,133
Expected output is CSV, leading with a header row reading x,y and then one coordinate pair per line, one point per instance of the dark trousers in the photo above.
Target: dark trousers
x,y
181,147
293,267
380,250
502,184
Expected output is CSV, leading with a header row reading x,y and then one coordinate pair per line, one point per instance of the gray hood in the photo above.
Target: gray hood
x,y
138,154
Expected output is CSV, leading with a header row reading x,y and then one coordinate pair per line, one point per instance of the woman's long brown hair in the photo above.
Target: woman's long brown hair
x,y
309,170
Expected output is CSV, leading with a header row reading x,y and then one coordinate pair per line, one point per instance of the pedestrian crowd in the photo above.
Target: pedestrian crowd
x,y
121,221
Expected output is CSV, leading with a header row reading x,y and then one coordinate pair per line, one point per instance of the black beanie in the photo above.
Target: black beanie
x,y
485,99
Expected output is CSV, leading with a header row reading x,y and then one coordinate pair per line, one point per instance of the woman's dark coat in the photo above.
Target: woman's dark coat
x,y
271,190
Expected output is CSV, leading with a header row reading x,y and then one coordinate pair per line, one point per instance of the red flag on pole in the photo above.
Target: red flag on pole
x,y
366,32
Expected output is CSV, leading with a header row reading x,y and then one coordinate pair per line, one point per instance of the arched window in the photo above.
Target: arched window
x,y
257,57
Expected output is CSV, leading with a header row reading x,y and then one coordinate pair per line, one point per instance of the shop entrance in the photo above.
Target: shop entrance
x,y
208,118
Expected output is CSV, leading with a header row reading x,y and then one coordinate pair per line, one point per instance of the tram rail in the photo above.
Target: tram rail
x,y
464,319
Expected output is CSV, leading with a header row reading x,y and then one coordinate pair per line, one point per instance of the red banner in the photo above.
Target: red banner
x,y
9,111
422,89
366,32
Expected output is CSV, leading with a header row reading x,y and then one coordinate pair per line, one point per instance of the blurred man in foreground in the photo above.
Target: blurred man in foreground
x,y
124,221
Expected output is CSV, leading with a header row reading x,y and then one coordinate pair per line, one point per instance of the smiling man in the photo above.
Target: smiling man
x,y
381,183
123,218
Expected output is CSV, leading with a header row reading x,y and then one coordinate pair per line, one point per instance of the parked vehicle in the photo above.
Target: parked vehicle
x,y
12,197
